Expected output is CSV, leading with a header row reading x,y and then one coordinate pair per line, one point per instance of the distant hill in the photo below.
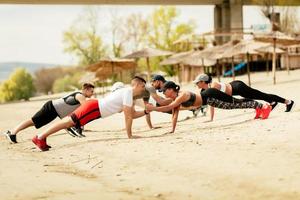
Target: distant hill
x,y
6,68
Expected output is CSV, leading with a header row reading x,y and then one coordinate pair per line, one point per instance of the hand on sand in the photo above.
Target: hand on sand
x,y
155,127
170,132
135,137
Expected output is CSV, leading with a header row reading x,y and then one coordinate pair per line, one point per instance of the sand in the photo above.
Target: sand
x,y
233,157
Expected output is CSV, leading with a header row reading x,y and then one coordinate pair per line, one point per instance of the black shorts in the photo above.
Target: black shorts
x,y
45,115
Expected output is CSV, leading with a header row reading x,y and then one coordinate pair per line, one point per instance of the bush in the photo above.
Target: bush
x,y
67,83
45,78
18,86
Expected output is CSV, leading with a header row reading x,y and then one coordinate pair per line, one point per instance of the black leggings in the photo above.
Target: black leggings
x,y
218,99
240,88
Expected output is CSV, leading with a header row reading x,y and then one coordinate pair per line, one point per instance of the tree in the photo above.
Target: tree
x,y
82,38
128,34
288,23
165,30
45,77
67,83
18,86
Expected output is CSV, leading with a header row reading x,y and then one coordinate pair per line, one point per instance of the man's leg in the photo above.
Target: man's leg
x,y
66,122
23,125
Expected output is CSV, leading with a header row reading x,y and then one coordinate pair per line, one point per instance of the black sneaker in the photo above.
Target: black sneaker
x,y
274,104
289,106
12,138
71,132
196,111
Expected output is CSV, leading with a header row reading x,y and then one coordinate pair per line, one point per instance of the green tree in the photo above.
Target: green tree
x,y
18,86
165,30
83,40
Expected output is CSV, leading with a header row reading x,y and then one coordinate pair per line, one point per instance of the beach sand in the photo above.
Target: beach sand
x,y
233,157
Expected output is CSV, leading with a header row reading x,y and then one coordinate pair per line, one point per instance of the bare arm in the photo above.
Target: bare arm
x,y
128,114
161,101
171,106
174,118
212,113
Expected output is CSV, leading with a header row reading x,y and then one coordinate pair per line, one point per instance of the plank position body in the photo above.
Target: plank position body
x,y
52,109
118,101
211,96
234,88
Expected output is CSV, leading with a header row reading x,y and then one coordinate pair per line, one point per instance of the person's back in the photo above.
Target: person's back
x,y
66,104
113,103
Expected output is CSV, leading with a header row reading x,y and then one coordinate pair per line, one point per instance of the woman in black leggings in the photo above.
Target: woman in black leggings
x,y
204,82
183,100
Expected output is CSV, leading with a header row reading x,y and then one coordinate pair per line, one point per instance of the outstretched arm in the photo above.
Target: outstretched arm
x,y
161,101
166,108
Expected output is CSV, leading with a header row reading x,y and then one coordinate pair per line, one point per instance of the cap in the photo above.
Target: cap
x,y
201,77
116,86
158,78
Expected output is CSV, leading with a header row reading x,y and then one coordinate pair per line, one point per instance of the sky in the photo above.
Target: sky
x,y
34,33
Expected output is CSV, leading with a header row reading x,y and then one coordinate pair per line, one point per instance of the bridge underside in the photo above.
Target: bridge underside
x,y
146,2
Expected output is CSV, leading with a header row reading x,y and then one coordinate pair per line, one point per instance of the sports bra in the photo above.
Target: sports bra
x,y
190,101
223,87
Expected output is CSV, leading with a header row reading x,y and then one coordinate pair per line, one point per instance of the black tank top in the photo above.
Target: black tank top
x,y
190,101
71,100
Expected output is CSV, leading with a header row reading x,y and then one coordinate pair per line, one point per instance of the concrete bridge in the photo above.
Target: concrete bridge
x,y
228,14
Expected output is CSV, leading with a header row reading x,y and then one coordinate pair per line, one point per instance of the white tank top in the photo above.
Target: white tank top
x,y
223,87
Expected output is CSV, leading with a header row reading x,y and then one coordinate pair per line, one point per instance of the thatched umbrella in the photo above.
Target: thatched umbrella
x,y
268,50
111,66
210,54
245,47
148,53
275,38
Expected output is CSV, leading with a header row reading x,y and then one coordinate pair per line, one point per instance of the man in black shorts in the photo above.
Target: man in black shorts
x,y
51,109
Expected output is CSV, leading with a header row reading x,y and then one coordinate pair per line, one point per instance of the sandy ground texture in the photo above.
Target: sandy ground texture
x,y
233,157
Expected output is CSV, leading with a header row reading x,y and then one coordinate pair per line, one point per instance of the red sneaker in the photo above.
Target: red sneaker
x,y
258,112
41,144
266,109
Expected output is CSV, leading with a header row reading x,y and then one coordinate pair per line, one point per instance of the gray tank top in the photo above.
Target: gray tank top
x,y
66,105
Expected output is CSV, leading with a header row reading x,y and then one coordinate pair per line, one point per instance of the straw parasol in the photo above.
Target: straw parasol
x,y
275,38
110,66
148,53
211,53
245,47
175,58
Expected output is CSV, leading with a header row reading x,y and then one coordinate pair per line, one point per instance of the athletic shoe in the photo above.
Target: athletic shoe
x,y
41,144
71,132
258,112
12,138
196,111
266,109
274,105
289,106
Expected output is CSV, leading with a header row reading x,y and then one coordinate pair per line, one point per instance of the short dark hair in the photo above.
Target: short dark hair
x,y
158,78
87,86
170,85
139,79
